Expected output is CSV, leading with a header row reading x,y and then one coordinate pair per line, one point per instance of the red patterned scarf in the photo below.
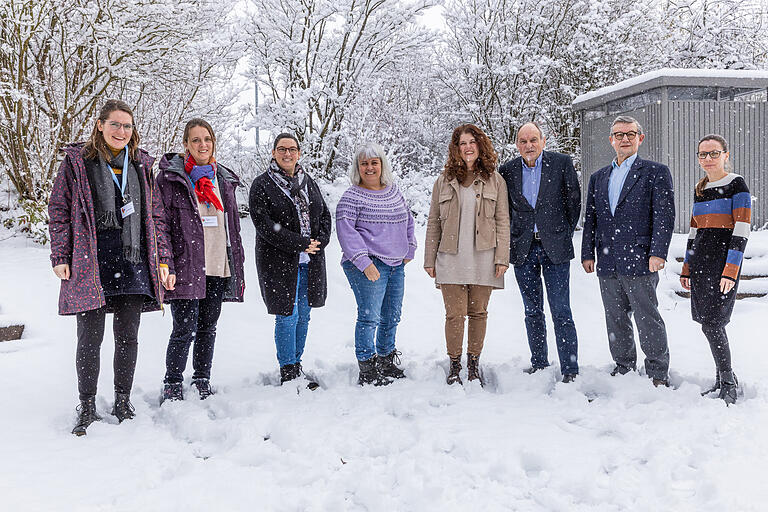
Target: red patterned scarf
x,y
201,176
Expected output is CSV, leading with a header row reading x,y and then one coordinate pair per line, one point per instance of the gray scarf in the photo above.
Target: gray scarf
x,y
294,187
107,214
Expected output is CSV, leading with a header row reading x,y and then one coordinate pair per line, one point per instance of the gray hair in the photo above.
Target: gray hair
x,y
371,150
534,123
627,120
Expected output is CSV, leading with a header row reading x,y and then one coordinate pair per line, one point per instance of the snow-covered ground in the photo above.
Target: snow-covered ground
x,y
522,443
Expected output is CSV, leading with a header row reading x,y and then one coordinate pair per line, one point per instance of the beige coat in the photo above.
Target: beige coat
x,y
492,221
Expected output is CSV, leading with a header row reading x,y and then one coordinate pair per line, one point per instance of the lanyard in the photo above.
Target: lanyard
x,y
125,176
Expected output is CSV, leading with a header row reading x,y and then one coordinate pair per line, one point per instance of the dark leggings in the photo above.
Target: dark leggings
x,y
194,321
718,343
90,334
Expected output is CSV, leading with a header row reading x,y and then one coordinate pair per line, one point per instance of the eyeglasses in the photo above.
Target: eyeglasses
x,y
621,135
712,154
283,150
116,126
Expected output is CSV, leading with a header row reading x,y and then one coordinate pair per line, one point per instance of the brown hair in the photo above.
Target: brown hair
x,y
485,165
724,144
97,146
194,122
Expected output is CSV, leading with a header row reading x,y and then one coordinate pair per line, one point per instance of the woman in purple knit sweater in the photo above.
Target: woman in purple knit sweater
x,y
375,230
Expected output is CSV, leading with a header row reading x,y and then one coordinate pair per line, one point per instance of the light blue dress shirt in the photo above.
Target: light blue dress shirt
x,y
532,182
616,181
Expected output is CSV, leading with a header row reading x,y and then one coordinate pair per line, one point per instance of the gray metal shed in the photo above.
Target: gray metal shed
x,y
676,107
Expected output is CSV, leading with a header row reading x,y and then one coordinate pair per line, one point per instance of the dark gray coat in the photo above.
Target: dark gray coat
x,y
279,242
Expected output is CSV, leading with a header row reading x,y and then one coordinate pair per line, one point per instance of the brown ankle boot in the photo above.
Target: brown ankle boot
x,y
473,369
454,376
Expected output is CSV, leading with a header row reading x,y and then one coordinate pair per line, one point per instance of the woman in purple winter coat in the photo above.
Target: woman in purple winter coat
x,y
108,244
198,195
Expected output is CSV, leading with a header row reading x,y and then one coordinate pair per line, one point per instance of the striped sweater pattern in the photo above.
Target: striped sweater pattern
x,y
725,208
375,223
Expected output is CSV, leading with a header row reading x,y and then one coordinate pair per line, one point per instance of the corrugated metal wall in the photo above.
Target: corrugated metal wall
x,y
672,130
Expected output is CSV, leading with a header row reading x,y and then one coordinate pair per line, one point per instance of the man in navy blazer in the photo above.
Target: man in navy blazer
x,y
628,221
544,207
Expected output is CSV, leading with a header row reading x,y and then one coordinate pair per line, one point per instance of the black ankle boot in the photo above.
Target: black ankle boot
x,y
453,375
123,409
388,365
288,372
729,387
369,374
86,415
203,387
473,369
715,386
173,391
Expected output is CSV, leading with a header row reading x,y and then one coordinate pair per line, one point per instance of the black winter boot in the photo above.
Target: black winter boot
x,y
288,372
311,383
729,387
172,391
123,409
387,365
369,374
473,369
715,386
86,415
453,375
203,387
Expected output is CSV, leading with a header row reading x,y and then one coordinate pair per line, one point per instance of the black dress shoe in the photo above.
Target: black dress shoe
x,y
568,378
620,370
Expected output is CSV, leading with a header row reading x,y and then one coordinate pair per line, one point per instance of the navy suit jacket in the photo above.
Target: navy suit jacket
x,y
641,226
558,206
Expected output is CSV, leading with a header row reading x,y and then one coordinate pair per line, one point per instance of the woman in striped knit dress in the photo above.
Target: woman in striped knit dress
x,y
375,230
720,225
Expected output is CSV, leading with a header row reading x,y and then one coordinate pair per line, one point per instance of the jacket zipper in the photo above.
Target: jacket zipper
x,y
151,212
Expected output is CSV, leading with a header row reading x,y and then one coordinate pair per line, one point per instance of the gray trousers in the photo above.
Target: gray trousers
x,y
623,297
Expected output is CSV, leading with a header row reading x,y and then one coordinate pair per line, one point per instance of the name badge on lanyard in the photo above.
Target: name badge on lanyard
x,y
210,221
128,208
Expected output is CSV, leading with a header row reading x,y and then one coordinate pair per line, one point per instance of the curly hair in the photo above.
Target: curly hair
x,y
486,161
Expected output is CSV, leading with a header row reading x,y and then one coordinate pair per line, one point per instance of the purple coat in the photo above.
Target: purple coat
x,y
186,230
72,228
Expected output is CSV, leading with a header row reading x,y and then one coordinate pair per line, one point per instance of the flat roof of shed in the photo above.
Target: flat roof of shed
x,y
672,77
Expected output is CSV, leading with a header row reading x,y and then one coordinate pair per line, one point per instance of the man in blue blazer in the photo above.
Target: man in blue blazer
x,y
544,207
628,221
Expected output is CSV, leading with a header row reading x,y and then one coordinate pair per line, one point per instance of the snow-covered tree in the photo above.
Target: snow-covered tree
x,y
59,60
313,59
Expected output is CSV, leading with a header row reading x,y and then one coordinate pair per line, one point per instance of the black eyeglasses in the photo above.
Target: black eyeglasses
x,y
621,135
116,126
712,154
283,150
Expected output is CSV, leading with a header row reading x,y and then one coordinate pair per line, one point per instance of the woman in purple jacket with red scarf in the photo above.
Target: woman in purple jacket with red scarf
x,y
198,194
108,244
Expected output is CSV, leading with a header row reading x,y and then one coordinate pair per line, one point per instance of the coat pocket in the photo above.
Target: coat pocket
x,y
444,201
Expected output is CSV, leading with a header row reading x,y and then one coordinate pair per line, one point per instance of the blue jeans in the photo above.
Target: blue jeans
x,y
378,308
291,330
556,279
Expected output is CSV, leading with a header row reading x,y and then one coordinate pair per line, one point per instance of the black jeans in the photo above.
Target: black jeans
x,y
90,334
718,343
194,320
